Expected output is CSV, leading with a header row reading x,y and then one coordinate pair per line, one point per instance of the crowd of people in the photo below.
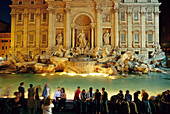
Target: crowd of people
x,y
89,101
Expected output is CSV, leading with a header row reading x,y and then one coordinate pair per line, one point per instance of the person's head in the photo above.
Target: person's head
x,y
62,90
47,101
127,91
78,88
97,90
103,89
17,94
58,88
46,84
22,84
138,92
31,85
83,91
90,89
120,91
143,91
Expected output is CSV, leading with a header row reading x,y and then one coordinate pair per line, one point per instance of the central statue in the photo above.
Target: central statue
x,y
82,39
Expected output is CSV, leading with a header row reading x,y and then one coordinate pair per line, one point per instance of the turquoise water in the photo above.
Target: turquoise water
x,y
153,83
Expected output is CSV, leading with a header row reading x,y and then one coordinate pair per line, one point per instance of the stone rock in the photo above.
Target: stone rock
x,y
142,68
26,64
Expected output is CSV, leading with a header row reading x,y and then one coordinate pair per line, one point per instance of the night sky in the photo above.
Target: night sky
x,y
164,17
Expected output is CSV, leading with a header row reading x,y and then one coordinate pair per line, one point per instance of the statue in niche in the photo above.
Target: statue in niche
x,y
82,40
59,38
106,38
59,17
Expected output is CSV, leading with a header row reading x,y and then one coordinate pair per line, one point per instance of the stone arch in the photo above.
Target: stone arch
x,y
83,14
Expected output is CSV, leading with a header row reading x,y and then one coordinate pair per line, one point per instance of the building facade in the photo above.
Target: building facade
x,y
38,26
5,45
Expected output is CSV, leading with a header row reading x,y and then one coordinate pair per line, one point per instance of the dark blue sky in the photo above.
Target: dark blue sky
x,y
5,10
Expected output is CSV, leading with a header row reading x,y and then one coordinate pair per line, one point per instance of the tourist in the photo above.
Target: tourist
x,y
84,101
166,102
98,99
21,90
31,102
131,105
137,101
90,100
145,101
77,99
38,92
47,106
16,104
46,91
57,96
153,105
62,100
121,96
104,101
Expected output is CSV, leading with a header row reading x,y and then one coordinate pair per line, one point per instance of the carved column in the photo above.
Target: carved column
x,y
92,35
38,21
116,24
156,27
67,38
25,37
143,40
129,41
98,29
13,18
73,35
50,29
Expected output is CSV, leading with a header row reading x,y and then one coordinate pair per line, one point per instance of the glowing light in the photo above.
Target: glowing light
x,y
41,98
51,74
71,74
5,97
62,73
43,74
105,75
84,75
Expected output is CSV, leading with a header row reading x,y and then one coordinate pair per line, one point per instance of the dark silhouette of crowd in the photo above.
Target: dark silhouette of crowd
x,y
88,102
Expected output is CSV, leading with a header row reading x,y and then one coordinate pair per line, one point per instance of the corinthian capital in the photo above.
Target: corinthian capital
x,y
51,10
67,10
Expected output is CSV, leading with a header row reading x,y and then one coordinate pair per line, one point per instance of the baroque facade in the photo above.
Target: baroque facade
x,y
39,25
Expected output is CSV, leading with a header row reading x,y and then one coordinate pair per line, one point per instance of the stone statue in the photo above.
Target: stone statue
x,y
82,40
59,38
106,38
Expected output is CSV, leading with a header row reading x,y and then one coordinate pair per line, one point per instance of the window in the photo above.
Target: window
x,y
137,52
43,52
18,39
135,16
32,17
135,1
6,47
2,47
122,1
136,37
122,37
44,39
31,39
44,17
20,2
148,1
32,2
30,53
9,40
149,16
2,54
122,16
149,37
19,17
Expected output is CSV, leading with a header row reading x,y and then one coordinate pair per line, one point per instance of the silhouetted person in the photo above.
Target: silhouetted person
x,y
21,90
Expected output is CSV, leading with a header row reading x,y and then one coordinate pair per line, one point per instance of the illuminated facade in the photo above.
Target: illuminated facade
x,y
5,44
131,24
